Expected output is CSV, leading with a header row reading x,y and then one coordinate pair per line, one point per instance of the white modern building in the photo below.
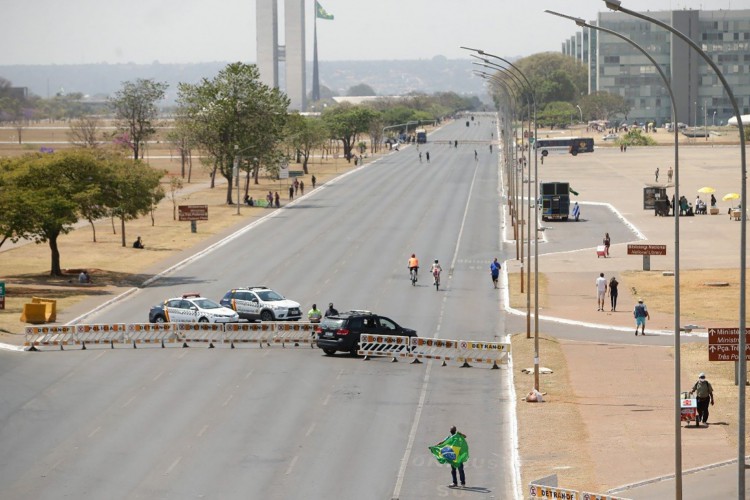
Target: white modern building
x,y
616,67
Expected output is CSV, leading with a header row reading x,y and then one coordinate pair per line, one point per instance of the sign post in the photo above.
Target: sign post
x,y
647,251
193,213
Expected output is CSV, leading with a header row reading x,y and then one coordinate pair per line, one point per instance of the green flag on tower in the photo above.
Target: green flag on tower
x,y
321,13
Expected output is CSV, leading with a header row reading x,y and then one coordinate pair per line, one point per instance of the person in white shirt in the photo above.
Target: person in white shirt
x,y
601,291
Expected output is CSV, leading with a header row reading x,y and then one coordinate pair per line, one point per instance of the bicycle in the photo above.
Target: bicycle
x,y
413,276
436,274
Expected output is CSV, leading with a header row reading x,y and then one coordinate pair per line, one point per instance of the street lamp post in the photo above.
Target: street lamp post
x,y
616,5
530,90
580,111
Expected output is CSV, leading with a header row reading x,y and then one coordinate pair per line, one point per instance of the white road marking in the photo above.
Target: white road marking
x,y
248,374
100,355
325,401
128,402
291,465
171,467
428,370
228,400
202,431
158,376
95,431
310,429
341,372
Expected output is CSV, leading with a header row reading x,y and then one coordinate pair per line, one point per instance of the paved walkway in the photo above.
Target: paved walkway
x,y
624,391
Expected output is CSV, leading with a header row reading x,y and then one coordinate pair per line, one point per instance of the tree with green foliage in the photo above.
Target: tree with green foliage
x,y
603,105
306,134
135,110
634,137
235,114
556,114
345,122
360,90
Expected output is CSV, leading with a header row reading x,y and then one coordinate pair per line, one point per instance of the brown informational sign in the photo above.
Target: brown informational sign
x,y
647,249
193,212
723,344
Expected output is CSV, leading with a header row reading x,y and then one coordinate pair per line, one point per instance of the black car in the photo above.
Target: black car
x,y
341,332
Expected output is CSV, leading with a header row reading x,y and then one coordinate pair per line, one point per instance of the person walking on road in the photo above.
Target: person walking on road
x,y
704,393
313,180
670,173
331,311
656,175
495,271
453,450
606,242
420,157
314,314
613,284
601,291
640,312
427,155
291,192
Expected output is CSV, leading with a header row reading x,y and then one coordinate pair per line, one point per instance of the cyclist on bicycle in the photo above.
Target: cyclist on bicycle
x,y
436,270
413,265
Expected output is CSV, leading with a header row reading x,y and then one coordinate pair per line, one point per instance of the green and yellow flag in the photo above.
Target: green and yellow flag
x,y
454,450
321,13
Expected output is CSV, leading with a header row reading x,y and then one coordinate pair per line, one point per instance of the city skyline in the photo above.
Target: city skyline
x,y
186,31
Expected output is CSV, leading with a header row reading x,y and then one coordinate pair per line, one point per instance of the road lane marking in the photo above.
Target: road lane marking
x,y
128,402
310,429
291,465
248,374
100,355
341,372
228,400
158,376
325,401
171,467
95,431
202,431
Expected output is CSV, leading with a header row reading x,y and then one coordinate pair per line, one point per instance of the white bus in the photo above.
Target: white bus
x,y
571,145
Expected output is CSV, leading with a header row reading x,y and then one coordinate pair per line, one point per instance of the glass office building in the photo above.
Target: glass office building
x,y
616,67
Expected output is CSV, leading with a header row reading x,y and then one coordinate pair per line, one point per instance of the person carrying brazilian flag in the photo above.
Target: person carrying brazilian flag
x,y
453,450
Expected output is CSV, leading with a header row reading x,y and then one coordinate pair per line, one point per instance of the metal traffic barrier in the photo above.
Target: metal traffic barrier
x,y
460,351
248,333
48,335
207,333
295,333
383,346
151,333
100,334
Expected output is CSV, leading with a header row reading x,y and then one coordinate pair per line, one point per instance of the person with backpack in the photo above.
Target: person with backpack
x,y
495,271
704,393
641,314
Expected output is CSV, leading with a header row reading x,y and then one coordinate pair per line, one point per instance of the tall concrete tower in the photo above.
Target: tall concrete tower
x,y
293,51
267,37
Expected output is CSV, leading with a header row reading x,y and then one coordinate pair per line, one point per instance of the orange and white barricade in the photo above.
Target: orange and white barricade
x,y
248,333
48,335
428,348
101,333
295,333
206,333
383,346
471,351
151,333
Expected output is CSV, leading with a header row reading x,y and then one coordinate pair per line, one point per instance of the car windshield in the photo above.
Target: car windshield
x,y
206,304
269,296
332,324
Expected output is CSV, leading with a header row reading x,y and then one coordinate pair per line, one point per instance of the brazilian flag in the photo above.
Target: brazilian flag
x,y
454,450
321,13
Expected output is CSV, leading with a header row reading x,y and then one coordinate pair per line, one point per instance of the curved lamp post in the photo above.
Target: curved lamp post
x,y
530,89
677,408
616,5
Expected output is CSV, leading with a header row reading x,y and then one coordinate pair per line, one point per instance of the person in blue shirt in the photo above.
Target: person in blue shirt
x,y
495,271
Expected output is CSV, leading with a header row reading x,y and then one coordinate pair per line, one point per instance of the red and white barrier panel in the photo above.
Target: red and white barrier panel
x,y
248,333
48,335
460,351
295,333
151,333
383,346
207,333
101,333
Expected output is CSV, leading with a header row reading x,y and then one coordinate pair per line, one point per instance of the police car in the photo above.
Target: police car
x,y
260,302
191,308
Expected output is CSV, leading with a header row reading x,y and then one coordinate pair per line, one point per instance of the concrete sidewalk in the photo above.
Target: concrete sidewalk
x,y
625,391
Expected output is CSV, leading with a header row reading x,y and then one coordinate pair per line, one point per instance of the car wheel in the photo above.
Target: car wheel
x,y
203,320
160,319
266,316
329,352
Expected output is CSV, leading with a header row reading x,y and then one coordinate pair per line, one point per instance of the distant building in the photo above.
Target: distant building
x,y
616,67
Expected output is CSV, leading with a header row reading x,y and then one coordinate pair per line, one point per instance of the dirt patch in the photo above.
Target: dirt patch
x,y
548,432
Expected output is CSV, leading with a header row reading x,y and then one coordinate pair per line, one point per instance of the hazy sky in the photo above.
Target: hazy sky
x,y
175,31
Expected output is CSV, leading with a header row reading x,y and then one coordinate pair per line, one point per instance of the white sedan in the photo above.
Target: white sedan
x,y
191,308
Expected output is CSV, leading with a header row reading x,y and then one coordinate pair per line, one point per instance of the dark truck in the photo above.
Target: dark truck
x,y
555,199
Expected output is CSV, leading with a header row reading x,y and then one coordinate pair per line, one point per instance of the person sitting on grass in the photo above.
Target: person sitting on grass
x,y
138,243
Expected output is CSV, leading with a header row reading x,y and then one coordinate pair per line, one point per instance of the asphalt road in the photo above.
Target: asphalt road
x,y
291,423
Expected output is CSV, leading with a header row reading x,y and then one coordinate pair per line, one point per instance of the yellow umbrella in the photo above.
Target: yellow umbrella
x,y
731,196
706,190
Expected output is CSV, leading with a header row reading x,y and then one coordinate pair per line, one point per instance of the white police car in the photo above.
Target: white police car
x,y
191,308
260,302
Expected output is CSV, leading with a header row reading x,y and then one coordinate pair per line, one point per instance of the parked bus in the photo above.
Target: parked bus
x,y
572,145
